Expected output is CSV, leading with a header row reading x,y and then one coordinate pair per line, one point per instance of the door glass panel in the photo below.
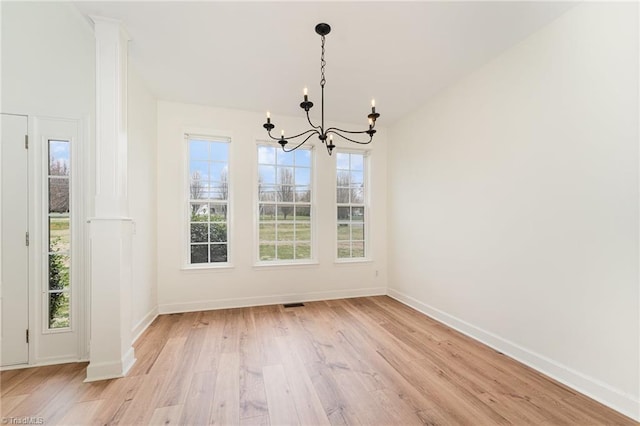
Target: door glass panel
x,y
59,232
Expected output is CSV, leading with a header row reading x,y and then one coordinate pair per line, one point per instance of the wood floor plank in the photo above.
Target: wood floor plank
x,y
282,410
8,403
79,413
167,416
226,400
197,407
366,360
305,398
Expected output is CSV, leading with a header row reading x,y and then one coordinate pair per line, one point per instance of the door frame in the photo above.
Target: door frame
x,y
41,129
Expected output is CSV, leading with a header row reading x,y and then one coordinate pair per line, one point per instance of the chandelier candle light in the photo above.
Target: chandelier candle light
x,y
322,132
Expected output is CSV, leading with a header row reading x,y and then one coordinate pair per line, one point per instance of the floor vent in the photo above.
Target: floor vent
x,y
293,305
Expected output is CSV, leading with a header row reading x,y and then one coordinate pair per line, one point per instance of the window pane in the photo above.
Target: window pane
x,y
199,170
218,232
303,176
303,157
357,178
342,195
267,192
218,252
219,151
303,193
218,212
303,213
199,232
58,195
218,172
197,187
58,310
357,214
199,253
285,175
59,158
267,175
284,158
285,212
266,155
199,212
357,195
343,179
59,234
198,150
357,231
344,249
267,212
267,251
343,232
343,213
285,193
59,271
219,191
285,232
357,162
267,232
342,161
357,249
303,231
303,251
285,251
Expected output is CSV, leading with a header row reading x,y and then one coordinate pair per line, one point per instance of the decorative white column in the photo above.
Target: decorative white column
x,y
111,353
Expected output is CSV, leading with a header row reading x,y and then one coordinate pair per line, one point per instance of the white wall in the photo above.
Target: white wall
x,y
246,284
513,203
48,60
142,153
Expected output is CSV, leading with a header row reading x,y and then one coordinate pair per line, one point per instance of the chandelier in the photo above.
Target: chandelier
x,y
324,134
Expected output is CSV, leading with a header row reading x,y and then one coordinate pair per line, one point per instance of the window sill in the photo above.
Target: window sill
x,y
281,265
207,267
351,261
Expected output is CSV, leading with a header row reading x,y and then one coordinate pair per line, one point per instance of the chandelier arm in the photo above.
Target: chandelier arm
x,y
297,146
302,134
269,133
352,140
335,130
310,123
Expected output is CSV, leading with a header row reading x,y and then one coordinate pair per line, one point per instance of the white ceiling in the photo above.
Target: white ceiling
x,y
259,55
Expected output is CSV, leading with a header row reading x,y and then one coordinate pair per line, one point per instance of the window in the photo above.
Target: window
x,y
284,204
351,204
58,292
208,204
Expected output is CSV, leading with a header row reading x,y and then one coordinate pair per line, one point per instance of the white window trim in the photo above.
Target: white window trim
x,y
264,264
367,153
216,136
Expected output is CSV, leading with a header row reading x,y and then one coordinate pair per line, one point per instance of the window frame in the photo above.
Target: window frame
x,y
366,154
279,263
211,136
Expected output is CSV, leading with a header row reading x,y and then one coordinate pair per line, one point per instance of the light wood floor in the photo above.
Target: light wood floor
x,y
355,361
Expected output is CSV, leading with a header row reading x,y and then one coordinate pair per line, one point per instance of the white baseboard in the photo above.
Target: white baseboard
x,y
110,370
143,324
589,386
43,363
205,305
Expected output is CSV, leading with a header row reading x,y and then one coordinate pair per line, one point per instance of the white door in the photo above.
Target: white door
x,y
14,250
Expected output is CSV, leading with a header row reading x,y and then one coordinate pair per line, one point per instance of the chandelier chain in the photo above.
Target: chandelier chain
x,y
322,64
